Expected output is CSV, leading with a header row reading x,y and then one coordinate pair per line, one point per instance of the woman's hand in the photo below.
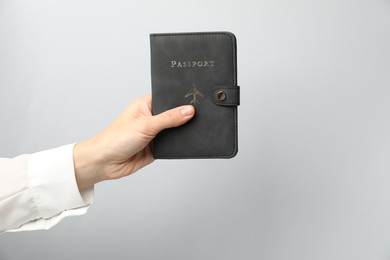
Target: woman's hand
x,y
124,147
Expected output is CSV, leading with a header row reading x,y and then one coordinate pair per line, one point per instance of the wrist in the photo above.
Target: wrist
x,y
87,164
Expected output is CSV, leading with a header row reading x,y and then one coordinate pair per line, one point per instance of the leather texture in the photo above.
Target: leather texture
x,y
198,69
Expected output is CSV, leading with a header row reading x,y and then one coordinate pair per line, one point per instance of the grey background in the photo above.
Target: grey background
x,y
312,176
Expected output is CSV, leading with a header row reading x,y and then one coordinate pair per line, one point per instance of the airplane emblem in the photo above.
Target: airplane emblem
x,y
194,92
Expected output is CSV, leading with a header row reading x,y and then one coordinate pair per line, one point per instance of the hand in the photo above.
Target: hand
x,y
124,147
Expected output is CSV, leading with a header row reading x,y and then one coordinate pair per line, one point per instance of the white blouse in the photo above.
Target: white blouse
x,y
40,189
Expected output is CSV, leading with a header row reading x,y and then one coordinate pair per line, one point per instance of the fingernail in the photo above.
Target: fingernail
x,y
188,110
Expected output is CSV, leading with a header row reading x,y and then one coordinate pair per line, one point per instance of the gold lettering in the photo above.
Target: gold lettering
x,y
192,63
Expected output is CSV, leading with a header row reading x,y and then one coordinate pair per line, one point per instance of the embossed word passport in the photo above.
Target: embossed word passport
x,y
198,69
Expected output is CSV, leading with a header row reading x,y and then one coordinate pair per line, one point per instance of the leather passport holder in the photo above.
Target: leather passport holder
x,y
198,69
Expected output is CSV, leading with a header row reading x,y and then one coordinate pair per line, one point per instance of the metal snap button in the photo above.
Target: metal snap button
x,y
221,95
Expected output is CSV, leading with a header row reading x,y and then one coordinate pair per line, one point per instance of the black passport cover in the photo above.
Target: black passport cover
x,y
198,69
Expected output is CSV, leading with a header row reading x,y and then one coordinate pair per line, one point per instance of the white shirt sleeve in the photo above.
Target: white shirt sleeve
x,y
40,189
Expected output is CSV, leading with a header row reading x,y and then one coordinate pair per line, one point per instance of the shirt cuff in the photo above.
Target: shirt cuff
x,y
52,182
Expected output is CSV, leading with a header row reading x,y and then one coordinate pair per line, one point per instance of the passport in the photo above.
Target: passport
x,y
200,69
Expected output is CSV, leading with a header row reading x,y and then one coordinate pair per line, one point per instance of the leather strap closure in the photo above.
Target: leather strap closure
x,y
226,96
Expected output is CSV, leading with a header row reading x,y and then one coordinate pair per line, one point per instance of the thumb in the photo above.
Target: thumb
x,y
172,118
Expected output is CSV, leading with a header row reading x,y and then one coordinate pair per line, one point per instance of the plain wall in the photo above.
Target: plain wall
x,y
312,176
